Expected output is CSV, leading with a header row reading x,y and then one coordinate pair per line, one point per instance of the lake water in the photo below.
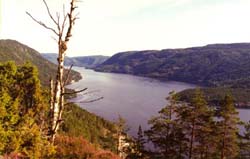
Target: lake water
x,y
135,98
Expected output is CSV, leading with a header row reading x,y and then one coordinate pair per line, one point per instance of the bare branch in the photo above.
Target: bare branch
x,y
50,15
90,92
67,76
54,39
64,19
68,111
58,22
90,101
42,24
77,15
75,92
69,103
71,20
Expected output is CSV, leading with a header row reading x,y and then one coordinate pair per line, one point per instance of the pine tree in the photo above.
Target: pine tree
x,y
137,150
21,111
140,141
166,132
197,120
228,129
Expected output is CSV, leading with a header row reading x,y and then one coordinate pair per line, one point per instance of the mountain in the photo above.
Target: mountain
x,y
82,61
214,95
11,50
211,65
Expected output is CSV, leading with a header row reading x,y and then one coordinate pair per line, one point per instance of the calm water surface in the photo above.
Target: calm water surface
x,y
136,99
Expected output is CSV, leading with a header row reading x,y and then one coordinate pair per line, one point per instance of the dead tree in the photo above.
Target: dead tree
x,y
62,29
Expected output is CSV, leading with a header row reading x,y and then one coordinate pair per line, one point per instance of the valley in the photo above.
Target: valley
x,y
136,99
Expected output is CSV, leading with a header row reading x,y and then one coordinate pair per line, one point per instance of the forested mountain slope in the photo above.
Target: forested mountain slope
x,y
211,65
11,50
82,61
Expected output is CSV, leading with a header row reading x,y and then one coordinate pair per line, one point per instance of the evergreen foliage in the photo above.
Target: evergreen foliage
x,y
24,117
166,131
211,65
137,149
214,96
192,130
22,111
20,53
227,129
80,123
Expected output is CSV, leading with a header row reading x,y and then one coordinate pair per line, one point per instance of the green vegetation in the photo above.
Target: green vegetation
x,y
79,122
194,130
211,65
81,61
224,67
213,96
137,150
22,112
11,50
227,129
24,121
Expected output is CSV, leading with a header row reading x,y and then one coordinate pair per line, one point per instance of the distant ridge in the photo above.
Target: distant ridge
x,y
11,50
210,65
82,61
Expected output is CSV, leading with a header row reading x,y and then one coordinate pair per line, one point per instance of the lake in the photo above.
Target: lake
x,y
135,98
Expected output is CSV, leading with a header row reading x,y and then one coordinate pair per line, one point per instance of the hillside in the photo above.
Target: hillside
x,y
95,129
213,96
211,65
82,61
20,53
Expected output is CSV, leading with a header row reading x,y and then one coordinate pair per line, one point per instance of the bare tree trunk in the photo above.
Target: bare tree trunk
x,y
191,141
51,105
223,142
59,93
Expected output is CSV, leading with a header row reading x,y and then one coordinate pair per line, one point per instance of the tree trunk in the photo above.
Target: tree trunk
x,y
59,90
191,141
223,142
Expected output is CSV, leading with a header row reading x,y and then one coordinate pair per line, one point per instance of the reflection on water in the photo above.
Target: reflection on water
x,y
136,99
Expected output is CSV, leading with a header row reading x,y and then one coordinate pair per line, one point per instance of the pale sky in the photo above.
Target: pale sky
x,y
110,26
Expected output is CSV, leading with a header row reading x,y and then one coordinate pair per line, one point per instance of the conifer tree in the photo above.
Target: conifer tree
x,y
166,132
137,150
140,141
21,112
197,120
228,129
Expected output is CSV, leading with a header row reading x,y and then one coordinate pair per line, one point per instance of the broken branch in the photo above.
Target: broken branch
x,y
42,24
75,92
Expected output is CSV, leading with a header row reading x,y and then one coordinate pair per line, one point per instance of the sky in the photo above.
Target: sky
x,y
109,26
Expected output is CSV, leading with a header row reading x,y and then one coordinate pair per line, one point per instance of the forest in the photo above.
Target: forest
x,y
191,129
37,119
24,121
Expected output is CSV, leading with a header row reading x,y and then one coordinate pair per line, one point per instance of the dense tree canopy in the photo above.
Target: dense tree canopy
x,y
24,121
22,111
